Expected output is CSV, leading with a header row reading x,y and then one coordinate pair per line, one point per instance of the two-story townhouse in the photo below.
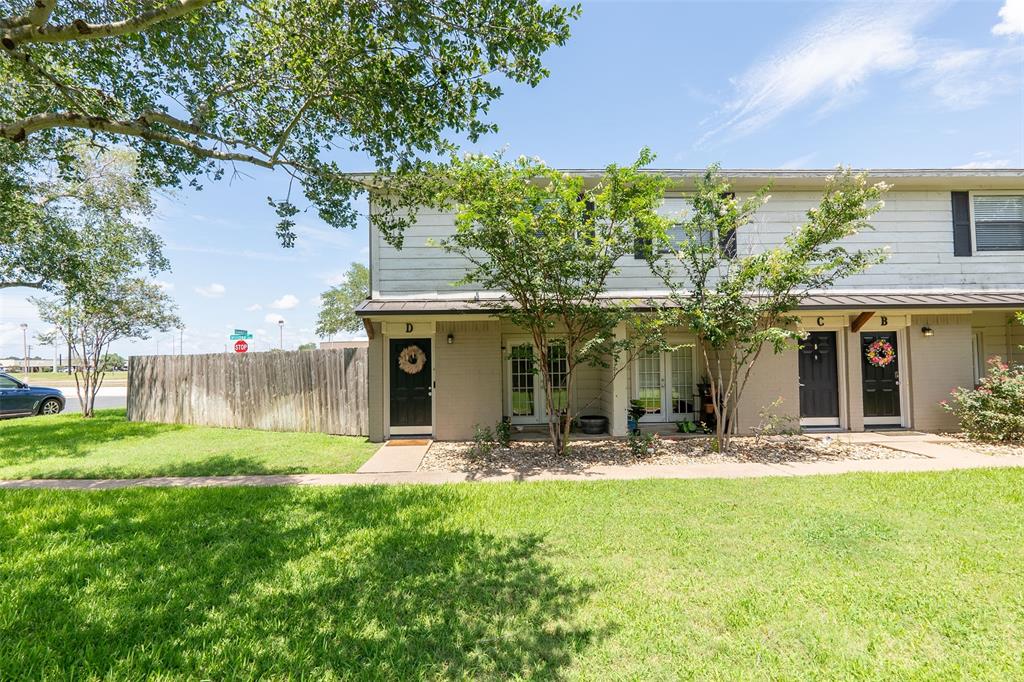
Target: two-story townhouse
x,y
882,349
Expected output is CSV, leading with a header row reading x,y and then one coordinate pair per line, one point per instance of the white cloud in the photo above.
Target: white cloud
x,y
1012,16
286,302
825,64
968,78
799,162
994,163
985,160
214,290
254,307
271,318
164,286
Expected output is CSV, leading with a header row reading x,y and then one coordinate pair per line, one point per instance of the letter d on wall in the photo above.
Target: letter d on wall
x,y
408,328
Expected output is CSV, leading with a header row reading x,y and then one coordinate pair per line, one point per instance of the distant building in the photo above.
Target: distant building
x,y
338,345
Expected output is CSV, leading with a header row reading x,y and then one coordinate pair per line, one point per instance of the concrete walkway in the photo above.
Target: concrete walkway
x,y
929,453
395,456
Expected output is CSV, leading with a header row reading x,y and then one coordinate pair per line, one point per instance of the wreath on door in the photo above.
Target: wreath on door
x,y
412,359
881,353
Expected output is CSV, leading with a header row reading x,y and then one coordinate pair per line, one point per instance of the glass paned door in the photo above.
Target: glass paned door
x,y
664,384
648,385
681,386
524,396
558,369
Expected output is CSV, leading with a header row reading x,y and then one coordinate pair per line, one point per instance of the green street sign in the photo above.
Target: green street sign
x,y
236,337
241,332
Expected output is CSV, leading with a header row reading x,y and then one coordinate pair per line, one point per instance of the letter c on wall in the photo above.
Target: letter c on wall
x,y
821,321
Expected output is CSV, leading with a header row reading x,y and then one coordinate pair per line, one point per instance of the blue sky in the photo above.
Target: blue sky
x,y
753,84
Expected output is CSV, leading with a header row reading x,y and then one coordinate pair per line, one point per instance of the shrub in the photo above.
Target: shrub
x,y
995,409
642,444
503,433
483,441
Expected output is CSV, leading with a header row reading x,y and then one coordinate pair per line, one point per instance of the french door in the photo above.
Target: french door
x,y
527,393
664,383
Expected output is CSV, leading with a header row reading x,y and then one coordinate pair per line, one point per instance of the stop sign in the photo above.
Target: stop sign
x,y
241,346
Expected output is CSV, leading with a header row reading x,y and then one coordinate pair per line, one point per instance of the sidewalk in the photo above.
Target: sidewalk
x,y
929,455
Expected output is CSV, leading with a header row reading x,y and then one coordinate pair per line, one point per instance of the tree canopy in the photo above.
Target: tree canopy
x,y
338,303
58,228
548,242
739,303
200,87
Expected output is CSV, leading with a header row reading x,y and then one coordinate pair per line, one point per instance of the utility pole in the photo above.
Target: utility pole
x,y
280,327
24,347
181,339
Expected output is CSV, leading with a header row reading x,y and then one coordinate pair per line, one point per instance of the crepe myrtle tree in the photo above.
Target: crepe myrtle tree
x,y
200,87
737,304
546,243
117,309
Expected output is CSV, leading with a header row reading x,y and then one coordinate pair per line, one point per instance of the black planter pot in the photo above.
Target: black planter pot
x,y
593,424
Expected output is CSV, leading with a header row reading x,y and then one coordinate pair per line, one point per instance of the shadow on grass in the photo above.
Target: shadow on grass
x,y
378,583
36,438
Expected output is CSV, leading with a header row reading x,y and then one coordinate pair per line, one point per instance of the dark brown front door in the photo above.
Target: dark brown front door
x,y
410,383
819,379
881,376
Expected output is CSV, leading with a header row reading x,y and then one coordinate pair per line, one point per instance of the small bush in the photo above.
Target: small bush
x,y
642,444
503,433
483,441
995,409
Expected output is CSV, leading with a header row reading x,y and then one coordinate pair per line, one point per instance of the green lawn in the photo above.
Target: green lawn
x,y
51,378
107,446
867,576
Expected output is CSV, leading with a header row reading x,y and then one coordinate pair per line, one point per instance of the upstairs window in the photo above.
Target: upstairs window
x,y
999,222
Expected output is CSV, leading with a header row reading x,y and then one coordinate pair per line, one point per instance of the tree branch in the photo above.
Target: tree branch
x,y
79,29
41,11
22,283
18,131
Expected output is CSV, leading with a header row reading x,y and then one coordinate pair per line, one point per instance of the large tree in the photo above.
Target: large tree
x,y
198,87
740,304
49,217
337,304
548,243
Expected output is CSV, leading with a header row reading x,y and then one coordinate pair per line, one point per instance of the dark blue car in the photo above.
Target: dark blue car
x,y
18,399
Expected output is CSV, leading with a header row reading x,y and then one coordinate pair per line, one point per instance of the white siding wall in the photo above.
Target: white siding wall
x,y
916,225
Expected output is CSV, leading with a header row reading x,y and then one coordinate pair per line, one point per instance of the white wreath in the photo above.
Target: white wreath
x,y
411,360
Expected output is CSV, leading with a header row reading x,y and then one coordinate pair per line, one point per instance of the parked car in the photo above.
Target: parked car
x,y
18,399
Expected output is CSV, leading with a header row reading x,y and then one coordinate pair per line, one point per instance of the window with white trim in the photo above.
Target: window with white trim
x,y
999,222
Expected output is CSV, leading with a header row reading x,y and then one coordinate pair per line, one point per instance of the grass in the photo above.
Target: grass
x,y
107,446
51,378
864,576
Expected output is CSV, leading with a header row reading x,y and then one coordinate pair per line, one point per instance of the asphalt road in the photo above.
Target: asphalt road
x,y
108,397
102,401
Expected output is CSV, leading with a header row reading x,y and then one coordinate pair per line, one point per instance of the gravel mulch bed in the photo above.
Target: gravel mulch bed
x,y
984,447
525,457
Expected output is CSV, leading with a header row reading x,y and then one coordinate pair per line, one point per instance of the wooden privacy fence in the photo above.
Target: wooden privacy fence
x,y
315,390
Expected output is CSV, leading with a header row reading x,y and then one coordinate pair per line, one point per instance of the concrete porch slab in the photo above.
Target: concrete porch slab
x,y
881,437
396,456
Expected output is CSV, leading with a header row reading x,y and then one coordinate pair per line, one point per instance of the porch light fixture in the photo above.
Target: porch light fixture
x,y
927,331
451,339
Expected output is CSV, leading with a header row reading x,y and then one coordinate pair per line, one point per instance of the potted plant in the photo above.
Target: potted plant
x,y
634,413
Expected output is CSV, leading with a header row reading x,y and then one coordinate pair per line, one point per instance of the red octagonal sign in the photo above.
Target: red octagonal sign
x,y
241,346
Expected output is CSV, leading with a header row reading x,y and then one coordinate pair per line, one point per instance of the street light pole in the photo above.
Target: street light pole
x,y
280,327
24,346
